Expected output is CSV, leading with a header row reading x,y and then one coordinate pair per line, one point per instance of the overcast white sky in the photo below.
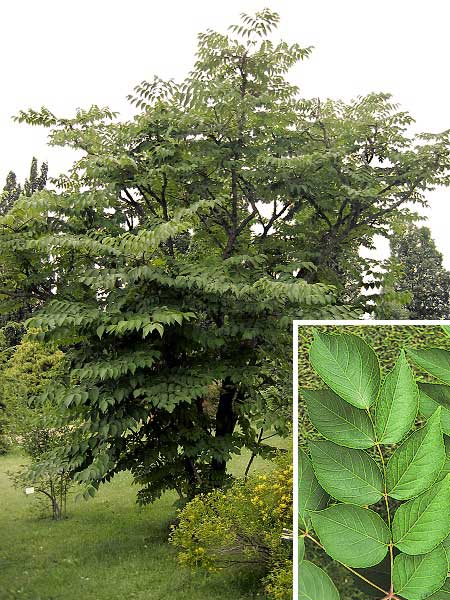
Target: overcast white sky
x,y
73,54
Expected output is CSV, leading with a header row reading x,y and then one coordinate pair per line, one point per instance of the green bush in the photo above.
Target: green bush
x,y
25,375
243,526
4,439
32,421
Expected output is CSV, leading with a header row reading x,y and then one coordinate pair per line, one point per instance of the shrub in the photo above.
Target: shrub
x,y
242,525
4,440
51,481
32,421
49,473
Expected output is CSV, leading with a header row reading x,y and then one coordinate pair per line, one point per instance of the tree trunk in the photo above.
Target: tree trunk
x,y
226,418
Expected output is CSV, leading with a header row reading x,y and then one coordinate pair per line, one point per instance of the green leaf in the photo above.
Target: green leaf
x,y
348,366
443,593
301,548
416,577
435,361
314,583
446,545
100,330
310,495
337,420
147,329
346,474
433,395
424,522
417,462
159,328
353,535
446,468
446,329
397,405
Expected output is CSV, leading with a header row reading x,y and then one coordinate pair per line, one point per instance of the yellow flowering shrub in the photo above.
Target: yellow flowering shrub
x,y
242,525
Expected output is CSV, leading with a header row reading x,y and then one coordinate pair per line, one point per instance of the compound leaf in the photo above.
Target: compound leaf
x,y
301,548
446,468
433,360
417,577
314,583
446,545
433,395
443,593
310,495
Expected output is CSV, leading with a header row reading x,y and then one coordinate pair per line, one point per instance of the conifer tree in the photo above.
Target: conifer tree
x,y
422,274
12,188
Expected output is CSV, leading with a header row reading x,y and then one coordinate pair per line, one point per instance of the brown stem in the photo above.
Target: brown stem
x,y
386,501
252,457
374,585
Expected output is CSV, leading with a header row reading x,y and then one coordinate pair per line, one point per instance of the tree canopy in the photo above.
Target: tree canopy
x,y
175,253
20,272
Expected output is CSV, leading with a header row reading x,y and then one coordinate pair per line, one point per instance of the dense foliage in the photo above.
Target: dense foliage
x,y
174,254
150,268
400,548
243,526
14,311
26,374
12,189
22,273
34,424
422,273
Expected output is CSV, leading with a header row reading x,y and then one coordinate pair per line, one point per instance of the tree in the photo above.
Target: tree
x,y
37,180
422,273
384,299
11,193
11,322
25,266
12,188
25,275
183,242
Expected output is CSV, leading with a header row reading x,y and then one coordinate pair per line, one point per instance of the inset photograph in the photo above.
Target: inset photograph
x,y
373,461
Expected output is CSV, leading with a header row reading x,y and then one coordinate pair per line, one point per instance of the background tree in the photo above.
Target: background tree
x,y
422,274
12,188
11,192
11,321
183,242
17,306
384,299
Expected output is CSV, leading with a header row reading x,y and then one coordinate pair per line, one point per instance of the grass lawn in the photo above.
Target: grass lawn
x,y
108,549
